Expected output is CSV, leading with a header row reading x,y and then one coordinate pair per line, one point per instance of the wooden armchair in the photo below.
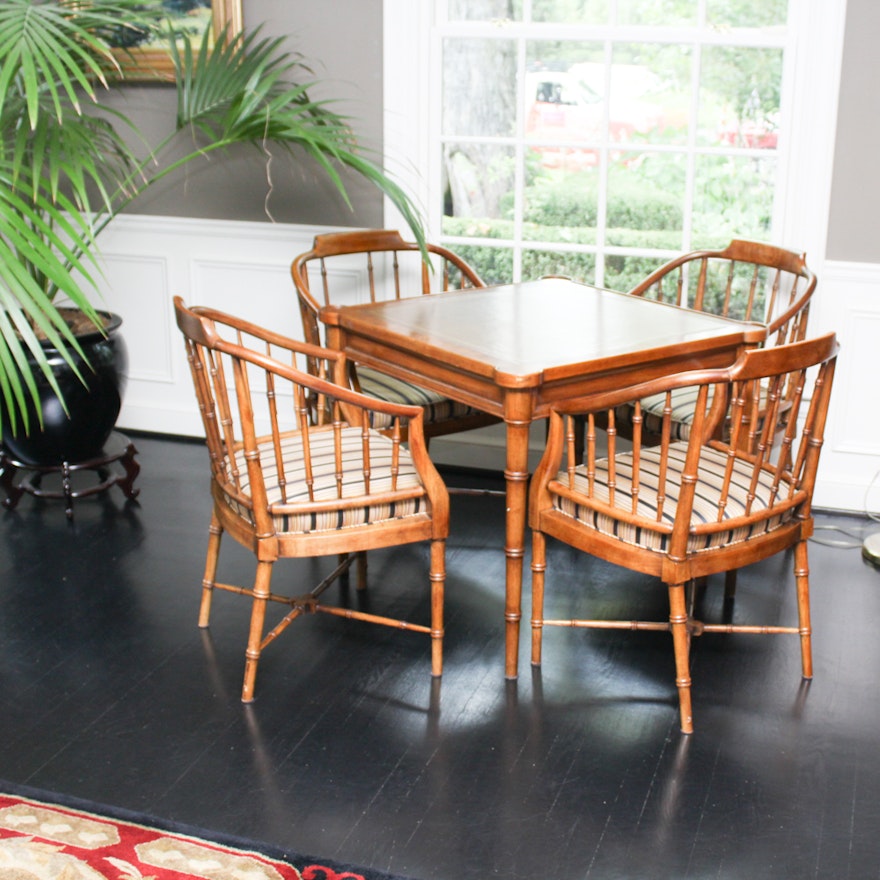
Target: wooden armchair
x,y
682,510
747,280
296,470
375,265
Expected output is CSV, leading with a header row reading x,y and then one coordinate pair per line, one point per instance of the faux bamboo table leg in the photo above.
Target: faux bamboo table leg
x,y
518,417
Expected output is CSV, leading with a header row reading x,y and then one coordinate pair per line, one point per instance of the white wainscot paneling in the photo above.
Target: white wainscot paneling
x,y
135,287
848,302
241,268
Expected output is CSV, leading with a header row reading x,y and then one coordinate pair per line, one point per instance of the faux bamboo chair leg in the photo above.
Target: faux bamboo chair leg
x,y
438,586
539,567
255,636
361,566
215,533
694,590
362,570
730,585
802,580
678,621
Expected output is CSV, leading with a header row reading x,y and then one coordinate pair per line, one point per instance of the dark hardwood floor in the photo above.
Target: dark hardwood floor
x,y
110,692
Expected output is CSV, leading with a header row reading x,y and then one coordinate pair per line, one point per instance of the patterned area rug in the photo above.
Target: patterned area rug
x,y
42,839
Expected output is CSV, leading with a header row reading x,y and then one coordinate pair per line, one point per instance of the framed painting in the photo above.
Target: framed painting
x,y
190,18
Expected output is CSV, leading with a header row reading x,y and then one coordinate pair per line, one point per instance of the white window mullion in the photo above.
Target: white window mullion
x,y
814,72
691,157
407,79
519,155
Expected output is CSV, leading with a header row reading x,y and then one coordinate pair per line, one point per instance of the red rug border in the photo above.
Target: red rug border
x,y
297,860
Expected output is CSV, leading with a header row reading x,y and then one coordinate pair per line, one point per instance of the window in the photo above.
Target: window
x,y
596,138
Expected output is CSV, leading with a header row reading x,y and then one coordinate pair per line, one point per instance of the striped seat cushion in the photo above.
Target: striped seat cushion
x,y
325,486
708,494
384,387
684,400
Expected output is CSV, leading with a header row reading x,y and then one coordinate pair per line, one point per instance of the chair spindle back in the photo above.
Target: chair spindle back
x,y
370,266
775,407
747,280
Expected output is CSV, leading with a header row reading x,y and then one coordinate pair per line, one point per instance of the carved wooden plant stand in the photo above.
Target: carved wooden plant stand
x,y
118,450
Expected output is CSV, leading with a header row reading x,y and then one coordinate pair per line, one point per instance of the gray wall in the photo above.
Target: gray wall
x,y
343,39
853,232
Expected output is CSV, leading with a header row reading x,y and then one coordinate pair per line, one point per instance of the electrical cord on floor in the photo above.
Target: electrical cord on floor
x,y
868,541
850,542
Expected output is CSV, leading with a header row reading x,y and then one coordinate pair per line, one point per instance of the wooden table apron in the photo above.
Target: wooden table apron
x,y
515,350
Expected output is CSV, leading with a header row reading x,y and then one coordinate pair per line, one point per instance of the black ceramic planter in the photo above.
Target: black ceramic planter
x,y
92,409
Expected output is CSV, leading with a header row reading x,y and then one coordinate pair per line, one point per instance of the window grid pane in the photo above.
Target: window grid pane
x,y
597,157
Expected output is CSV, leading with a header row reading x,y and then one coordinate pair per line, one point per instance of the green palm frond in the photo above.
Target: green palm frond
x,y
56,49
86,155
248,90
36,257
67,167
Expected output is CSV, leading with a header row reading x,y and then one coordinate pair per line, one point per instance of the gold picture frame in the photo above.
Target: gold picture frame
x,y
154,63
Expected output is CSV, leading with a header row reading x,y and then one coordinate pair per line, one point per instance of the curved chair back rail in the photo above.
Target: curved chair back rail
x,y
345,268
298,470
747,280
686,509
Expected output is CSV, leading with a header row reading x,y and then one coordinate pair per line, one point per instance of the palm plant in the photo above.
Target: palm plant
x,y
67,167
